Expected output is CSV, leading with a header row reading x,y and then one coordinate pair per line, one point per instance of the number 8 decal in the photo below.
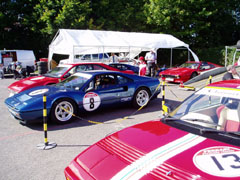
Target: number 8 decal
x,y
91,101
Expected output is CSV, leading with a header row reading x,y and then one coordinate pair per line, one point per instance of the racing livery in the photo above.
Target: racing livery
x,y
86,91
58,74
193,142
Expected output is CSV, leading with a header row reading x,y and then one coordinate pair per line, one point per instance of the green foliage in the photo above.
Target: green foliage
x,y
30,24
200,23
215,55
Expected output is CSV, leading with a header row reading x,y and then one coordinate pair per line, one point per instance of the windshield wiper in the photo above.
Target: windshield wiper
x,y
191,120
200,120
202,131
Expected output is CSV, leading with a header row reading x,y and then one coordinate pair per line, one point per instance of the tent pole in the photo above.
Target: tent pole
x,y
171,58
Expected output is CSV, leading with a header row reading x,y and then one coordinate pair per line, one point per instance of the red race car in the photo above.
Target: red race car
x,y
186,71
200,139
58,74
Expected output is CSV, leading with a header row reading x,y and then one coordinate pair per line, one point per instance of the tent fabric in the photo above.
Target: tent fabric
x,y
71,42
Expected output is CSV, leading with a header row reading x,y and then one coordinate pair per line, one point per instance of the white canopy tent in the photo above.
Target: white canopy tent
x,y
76,42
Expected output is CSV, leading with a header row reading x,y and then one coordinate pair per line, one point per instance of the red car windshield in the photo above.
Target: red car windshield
x,y
56,72
190,65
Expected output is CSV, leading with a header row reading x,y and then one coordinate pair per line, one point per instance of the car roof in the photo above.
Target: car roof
x,y
233,83
96,72
73,64
81,63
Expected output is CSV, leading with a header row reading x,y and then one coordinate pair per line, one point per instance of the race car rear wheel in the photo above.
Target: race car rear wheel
x,y
141,97
63,111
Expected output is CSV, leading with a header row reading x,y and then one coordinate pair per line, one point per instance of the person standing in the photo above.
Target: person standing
x,y
113,58
1,71
231,73
151,59
142,66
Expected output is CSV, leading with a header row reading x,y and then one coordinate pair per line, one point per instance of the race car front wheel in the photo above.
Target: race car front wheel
x,y
141,97
63,111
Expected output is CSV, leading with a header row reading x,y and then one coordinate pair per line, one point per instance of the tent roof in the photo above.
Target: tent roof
x,y
71,42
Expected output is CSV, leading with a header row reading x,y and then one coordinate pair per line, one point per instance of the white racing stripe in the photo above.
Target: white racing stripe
x,y
147,163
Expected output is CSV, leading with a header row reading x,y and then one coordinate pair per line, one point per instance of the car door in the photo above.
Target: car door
x,y
105,90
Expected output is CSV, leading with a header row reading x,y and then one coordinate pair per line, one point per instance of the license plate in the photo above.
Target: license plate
x,y
169,79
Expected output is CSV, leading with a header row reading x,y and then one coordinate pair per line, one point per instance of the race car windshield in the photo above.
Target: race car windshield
x,y
190,65
74,82
214,108
56,72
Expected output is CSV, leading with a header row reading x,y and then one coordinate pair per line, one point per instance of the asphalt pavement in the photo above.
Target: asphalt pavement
x,y
21,159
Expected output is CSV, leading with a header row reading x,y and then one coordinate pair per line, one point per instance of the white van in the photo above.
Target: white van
x,y
25,57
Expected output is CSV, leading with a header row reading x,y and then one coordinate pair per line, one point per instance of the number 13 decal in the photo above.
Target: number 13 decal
x,y
221,161
235,157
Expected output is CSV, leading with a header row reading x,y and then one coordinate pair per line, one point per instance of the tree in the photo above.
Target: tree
x,y
118,15
201,23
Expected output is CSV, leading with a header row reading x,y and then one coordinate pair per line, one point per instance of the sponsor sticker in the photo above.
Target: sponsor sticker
x,y
223,161
91,101
222,92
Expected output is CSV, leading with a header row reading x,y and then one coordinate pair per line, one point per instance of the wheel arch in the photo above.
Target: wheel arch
x,y
62,98
134,103
142,86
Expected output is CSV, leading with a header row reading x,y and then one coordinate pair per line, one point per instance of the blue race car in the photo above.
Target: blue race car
x,y
87,91
124,67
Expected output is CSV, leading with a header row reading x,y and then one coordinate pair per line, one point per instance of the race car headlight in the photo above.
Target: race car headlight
x,y
11,93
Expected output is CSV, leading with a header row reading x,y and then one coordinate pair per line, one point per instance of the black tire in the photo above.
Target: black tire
x,y
194,74
42,63
141,97
42,70
58,113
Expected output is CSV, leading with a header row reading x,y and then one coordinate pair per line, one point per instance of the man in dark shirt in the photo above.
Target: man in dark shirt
x,y
231,73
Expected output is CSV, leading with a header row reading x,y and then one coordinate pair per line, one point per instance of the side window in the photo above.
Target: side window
x,y
97,67
205,66
94,56
73,70
104,81
90,86
86,57
211,66
83,68
80,68
122,80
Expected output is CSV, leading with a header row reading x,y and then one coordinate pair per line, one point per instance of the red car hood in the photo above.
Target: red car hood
x,y
177,71
30,82
153,150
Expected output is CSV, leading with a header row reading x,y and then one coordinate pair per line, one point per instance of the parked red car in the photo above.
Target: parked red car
x,y
186,71
58,74
199,140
